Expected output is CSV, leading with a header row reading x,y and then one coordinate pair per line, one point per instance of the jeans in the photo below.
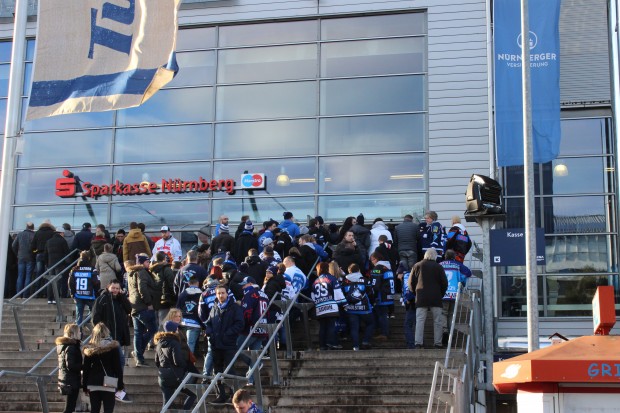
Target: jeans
x,y
327,332
192,334
24,276
381,317
144,328
167,393
254,343
71,401
79,309
355,320
420,315
207,368
99,397
410,317
408,257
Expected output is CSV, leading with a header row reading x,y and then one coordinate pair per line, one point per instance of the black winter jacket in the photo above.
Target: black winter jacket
x,y
143,289
256,268
345,256
224,325
100,359
113,313
55,250
244,242
69,361
43,234
165,280
169,358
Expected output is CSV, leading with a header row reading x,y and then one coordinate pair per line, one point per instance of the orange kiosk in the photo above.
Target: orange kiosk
x,y
576,376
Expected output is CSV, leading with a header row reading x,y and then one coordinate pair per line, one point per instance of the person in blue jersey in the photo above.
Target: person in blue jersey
x,y
242,402
428,280
359,294
254,304
294,277
327,296
433,235
188,303
268,227
456,273
383,284
408,300
83,285
191,269
207,300
289,226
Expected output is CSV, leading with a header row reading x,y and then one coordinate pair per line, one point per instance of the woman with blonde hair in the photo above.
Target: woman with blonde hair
x,y
102,364
69,365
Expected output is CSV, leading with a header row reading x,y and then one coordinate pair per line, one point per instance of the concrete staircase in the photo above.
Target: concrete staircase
x,y
387,379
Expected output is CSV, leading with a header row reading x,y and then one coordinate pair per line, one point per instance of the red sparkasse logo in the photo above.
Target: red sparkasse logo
x,y
65,187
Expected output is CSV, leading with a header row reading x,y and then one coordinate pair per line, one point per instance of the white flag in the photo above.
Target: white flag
x,y
98,55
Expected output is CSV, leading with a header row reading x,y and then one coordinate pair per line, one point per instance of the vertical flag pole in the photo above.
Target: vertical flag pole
x,y
11,132
528,176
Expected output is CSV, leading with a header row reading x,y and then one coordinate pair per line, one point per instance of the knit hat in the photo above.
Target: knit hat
x,y
170,326
267,241
247,280
288,215
248,225
303,230
273,269
224,228
360,219
141,259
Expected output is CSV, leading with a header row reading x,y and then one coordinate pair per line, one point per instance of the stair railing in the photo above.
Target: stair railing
x,y
41,380
256,355
455,381
52,279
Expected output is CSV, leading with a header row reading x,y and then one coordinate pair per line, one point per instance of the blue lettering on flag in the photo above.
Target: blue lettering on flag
x,y
544,43
109,38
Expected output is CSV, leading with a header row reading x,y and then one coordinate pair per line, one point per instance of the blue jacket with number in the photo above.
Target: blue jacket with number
x,y
327,295
383,283
84,283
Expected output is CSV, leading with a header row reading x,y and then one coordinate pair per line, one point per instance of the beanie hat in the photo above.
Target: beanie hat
x,y
170,326
360,219
248,225
141,259
273,269
223,228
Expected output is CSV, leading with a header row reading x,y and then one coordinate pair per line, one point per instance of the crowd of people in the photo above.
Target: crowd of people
x,y
220,290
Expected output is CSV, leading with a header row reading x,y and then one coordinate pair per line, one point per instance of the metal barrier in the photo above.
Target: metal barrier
x,y
455,381
41,379
16,305
256,355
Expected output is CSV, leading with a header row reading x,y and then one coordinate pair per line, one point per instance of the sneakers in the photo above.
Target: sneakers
x,y
139,363
392,316
51,301
356,349
122,397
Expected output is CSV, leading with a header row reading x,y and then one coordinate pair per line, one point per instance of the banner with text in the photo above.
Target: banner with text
x,y
98,55
544,44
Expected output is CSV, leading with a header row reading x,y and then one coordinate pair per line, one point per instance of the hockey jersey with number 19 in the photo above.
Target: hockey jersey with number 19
x,y
327,295
84,283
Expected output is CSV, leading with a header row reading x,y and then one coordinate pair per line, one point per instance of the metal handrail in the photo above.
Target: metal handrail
x,y
256,363
16,306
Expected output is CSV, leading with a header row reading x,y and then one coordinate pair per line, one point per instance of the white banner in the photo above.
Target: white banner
x,y
98,55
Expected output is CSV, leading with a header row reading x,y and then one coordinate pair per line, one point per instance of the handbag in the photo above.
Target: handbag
x,y
108,381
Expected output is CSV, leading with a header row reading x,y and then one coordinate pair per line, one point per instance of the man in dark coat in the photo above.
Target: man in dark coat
x,y
245,241
223,242
405,238
348,253
43,234
428,280
56,249
223,326
83,238
25,260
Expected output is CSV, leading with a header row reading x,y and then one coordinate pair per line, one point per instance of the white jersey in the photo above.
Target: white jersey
x,y
171,247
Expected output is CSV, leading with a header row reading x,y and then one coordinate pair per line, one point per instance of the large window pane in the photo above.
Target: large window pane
x,y
373,57
200,38
4,79
583,136
155,214
268,33
582,176
390,207
271,138
578,253
586,214
5,52
27,79
171,106
266,101
372,95
571,296
163,143
371,173
513,293
514,180
267,63
39,185
73,121
73,214
87,147
388,133
195,69
373,26
262,209
298,176
157,173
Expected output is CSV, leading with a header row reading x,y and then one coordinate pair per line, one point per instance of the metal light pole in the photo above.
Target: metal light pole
x,y
528,176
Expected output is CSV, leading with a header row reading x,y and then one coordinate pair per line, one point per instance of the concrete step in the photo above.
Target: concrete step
x,y
360,401
345,408
361,390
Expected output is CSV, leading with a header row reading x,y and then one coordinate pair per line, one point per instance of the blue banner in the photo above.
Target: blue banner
x,y
544,43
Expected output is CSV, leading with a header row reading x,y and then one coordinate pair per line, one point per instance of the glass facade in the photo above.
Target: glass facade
x,y
336,107
576,205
